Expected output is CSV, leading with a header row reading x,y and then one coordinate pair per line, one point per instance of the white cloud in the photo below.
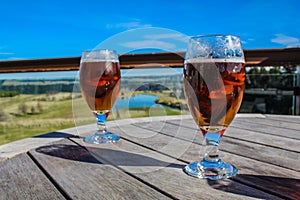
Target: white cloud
x,y
248,40
128,25
7,56
149,44
171,41
286,40
146,39
4,53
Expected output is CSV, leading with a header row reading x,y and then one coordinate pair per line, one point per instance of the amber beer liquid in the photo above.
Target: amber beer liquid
x,y
214,90
100,83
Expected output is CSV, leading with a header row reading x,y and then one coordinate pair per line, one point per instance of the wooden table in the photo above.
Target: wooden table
x,y
147,162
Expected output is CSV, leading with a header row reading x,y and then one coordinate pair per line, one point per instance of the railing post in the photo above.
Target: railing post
x,y
296,92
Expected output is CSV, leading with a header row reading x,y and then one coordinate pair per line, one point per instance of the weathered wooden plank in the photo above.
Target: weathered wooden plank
x,y
20,178
166,173
160,170
277,141
263,139
284,118
293,124
167,145
279,157
171,128
81,176
12,149
249,125
268,129
258,133
267,177
263,151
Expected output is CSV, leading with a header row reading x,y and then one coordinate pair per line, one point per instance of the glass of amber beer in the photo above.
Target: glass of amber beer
x,y
100,85
214,77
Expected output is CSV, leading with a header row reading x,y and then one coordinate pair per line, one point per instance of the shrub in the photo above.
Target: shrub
x,y
9,93
39,107
3,116
23,108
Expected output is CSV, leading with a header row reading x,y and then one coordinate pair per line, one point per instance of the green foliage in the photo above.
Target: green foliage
x,y
275,70
282,77
3,116
9,93
23,108
39,107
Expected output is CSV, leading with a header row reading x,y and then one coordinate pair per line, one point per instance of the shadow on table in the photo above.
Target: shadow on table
x,y
55,135
103,156
286,188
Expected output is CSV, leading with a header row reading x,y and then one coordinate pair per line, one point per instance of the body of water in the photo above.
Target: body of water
x,y
142,100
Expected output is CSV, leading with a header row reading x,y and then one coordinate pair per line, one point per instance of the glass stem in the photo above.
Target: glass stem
x,y
101,122
211,151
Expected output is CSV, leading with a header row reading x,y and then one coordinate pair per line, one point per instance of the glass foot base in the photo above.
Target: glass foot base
x,y
214,170
101,138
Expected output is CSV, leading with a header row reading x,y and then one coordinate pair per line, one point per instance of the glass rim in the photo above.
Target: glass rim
x,y
99,50
98,55
213,35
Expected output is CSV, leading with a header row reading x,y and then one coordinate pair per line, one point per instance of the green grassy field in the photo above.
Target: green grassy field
x,y
25,116
24,119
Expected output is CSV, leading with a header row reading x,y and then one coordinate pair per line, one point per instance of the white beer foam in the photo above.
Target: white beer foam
x,y
218,60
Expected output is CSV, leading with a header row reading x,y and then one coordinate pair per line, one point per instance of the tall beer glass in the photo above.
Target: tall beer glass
x,y
214,77
100,85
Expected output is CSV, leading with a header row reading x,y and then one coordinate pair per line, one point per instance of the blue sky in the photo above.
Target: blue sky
x,y
49,29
